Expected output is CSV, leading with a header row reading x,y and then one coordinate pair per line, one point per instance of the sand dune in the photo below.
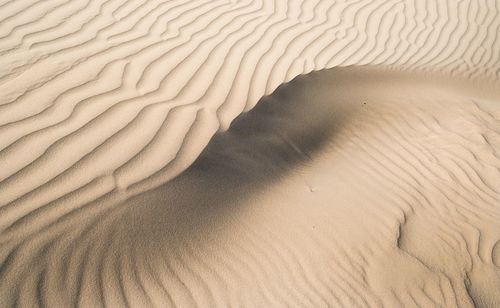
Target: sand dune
x,y
349,187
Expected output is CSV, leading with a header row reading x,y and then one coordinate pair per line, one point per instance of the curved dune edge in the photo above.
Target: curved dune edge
x,y
348,187
104,95
103,102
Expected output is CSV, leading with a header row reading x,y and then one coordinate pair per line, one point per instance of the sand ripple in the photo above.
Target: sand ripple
x,y
103,100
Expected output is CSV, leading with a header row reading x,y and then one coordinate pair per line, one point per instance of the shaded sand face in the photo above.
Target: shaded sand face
x,y
121,184
330,192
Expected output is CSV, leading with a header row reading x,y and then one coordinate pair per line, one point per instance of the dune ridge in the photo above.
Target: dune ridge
x,y
111,66
349,197
102,101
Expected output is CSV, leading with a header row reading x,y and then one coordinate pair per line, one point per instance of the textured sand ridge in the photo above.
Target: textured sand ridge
x,y
349,187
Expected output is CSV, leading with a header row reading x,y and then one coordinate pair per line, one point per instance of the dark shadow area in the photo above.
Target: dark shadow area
x,y
282,133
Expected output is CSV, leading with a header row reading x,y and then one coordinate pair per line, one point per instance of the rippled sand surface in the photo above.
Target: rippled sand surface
x,y
249,153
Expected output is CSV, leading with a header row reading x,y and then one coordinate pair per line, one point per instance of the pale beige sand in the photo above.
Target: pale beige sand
x,y
350,187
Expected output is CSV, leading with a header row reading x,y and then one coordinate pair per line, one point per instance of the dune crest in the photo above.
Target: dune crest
x,y
351,196
107,105
91,90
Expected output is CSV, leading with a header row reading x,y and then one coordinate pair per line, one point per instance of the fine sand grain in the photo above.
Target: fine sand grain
x,y
185,153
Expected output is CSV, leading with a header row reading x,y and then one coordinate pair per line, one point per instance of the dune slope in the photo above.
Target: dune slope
x,y
349,187
92,90
330,192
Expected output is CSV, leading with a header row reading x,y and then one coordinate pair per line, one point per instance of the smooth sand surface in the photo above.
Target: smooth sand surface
x,y
131,173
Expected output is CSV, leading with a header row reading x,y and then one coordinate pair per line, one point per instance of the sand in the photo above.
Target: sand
x,y
249,153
